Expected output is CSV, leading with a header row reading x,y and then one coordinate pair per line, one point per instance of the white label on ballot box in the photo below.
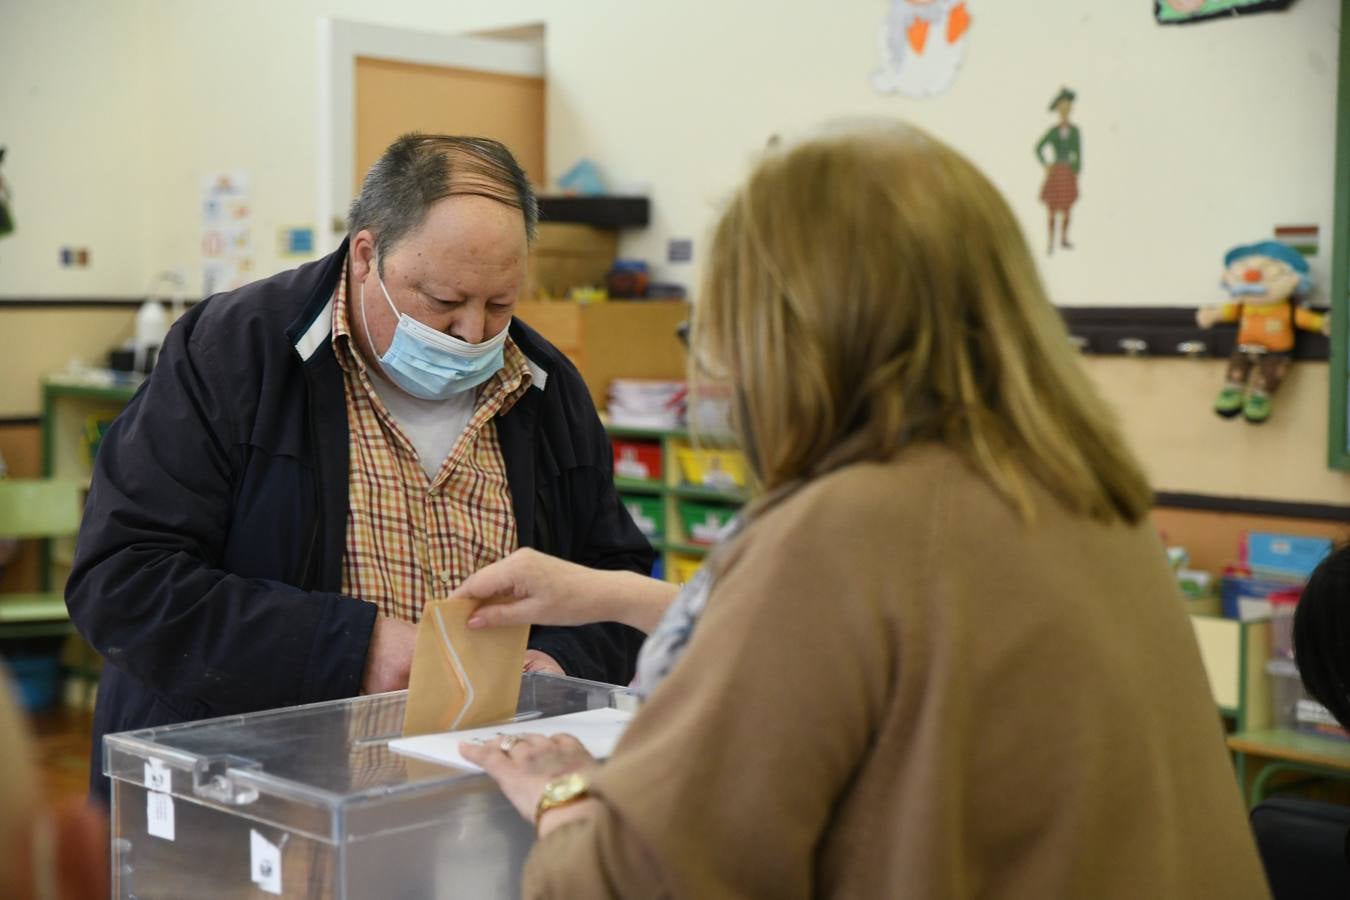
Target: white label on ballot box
x,y
266,864
158,777
159,815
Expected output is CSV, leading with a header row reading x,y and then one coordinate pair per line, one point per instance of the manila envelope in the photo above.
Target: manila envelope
x,y
461,678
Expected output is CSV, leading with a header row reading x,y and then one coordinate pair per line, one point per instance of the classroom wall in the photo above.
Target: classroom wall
x,y
37,341
1165,410
75,91
1195,138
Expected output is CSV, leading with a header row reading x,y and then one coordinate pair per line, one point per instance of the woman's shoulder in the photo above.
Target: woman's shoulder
x,y
926,491
857,505
908,483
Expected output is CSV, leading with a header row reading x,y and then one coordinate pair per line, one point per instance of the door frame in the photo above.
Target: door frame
x,y
341,41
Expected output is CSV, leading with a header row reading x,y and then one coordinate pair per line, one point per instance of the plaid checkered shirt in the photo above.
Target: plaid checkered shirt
x,y
411,539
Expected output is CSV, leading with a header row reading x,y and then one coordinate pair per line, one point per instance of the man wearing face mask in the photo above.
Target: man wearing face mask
x,y
320,453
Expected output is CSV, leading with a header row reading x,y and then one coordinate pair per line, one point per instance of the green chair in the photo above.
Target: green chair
x,y
37,508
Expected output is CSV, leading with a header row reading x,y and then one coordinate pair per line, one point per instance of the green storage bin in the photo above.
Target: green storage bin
x,y
648,513
703,521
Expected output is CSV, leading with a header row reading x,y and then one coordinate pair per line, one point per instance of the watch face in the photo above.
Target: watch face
x,y
561,790
566,787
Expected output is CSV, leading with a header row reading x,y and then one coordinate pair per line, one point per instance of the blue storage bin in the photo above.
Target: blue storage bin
x,y
38,680
1246,597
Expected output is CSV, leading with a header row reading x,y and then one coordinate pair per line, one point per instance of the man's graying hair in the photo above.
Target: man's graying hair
x,y
419,169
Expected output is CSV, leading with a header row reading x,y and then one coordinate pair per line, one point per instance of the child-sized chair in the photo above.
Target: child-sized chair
x,y
38,508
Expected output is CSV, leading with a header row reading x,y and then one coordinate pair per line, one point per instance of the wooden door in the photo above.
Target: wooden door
x,y
394,97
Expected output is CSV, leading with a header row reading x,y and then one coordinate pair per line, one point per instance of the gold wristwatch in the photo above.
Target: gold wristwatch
x,y
561,791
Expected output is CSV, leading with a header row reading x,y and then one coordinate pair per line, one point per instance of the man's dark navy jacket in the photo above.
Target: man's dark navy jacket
x,y
209,566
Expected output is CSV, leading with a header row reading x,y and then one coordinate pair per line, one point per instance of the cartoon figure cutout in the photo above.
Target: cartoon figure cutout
x,y
923,43
1060,190
1267,285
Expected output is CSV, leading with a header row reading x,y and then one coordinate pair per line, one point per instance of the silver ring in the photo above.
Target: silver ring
x,y
508,741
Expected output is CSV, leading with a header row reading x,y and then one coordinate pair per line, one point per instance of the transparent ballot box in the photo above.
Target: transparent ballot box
x,y
311,802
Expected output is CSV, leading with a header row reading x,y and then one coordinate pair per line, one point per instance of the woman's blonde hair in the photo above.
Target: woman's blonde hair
x,y
870,288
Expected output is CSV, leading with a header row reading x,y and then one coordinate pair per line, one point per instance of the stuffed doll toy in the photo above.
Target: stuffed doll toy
x,y
1267,283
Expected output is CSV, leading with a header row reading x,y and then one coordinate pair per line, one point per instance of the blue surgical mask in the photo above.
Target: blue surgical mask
x,y
429,364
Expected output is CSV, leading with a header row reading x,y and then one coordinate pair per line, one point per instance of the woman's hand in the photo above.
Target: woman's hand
x,y
543,590
532,588
522,764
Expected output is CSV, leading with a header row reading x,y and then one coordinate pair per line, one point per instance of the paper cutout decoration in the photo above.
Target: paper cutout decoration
x,y
227,238
1062,166
1181,12
462,678
1303,238
923,43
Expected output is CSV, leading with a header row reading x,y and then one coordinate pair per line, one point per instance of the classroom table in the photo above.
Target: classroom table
x,y
1263,756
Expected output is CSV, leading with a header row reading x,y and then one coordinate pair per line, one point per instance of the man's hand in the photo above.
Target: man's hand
x,y
389,658
538,661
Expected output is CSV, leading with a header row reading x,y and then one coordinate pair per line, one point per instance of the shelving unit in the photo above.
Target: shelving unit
x,y
54,658
1234,654
614,339
680,553
69,404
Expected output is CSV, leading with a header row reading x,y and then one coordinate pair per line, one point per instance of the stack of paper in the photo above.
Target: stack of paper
x,y
642,403
597,729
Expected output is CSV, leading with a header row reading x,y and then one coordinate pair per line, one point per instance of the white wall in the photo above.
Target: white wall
x,y
1195,138
74,95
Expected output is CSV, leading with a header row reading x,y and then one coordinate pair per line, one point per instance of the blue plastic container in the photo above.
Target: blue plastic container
x,y
1246,597
38,680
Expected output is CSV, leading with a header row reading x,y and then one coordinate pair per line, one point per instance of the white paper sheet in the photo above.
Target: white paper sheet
x,y
597,729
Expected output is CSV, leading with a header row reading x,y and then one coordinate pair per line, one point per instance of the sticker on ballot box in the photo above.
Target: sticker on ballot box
x,y
266,862
159,815
158,777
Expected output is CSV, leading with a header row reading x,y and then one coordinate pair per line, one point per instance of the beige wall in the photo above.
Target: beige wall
x,y
680,96
79,137
37,341
1163,404
1165,408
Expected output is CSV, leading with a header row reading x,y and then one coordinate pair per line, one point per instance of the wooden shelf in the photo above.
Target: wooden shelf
x,y
696,492
638,485
650,434
598,212
614,339
689,549
69,403
676,550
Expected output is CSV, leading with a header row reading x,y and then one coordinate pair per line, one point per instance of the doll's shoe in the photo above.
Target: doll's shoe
x,y
1229,401
1256,408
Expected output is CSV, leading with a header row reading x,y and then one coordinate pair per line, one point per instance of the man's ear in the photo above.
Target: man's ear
x,y
80,833
361,252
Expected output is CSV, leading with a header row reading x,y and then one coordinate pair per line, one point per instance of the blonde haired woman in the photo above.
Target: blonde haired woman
x,y
943,656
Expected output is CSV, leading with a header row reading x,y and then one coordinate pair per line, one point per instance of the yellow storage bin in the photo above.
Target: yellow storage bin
x,y
721,469
682,568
